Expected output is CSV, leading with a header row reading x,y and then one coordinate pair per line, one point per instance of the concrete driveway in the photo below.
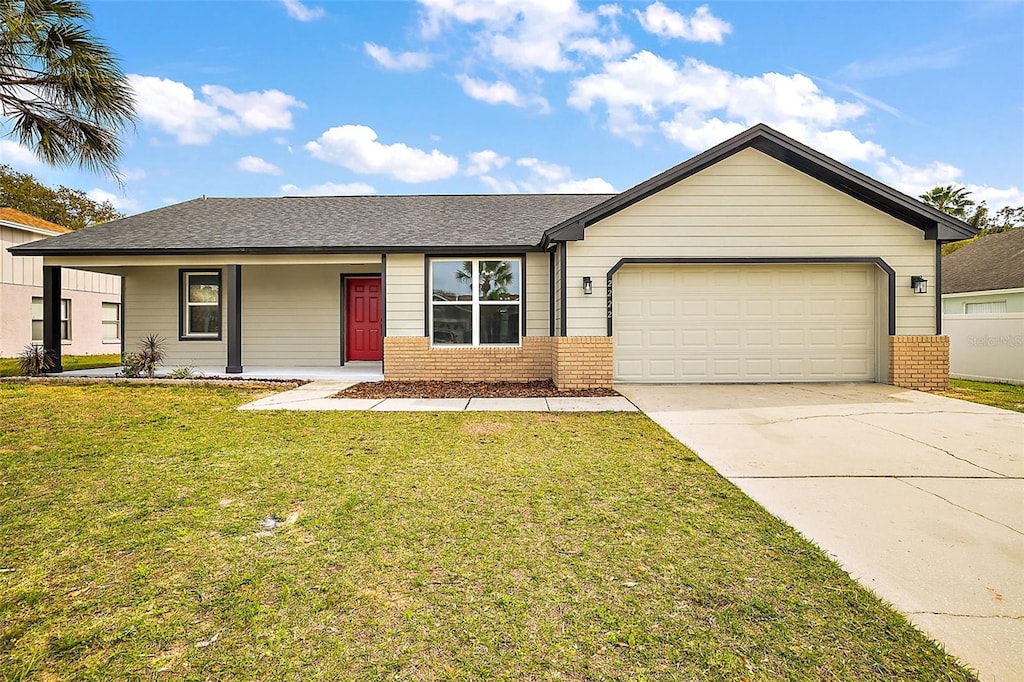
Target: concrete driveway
x,y
919,497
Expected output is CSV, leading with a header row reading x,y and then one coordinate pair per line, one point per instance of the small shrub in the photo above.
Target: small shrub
x,y
131,366
152,353
188,372
34,360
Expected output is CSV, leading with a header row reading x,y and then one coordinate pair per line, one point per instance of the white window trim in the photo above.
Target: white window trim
x,y
186,319
114,323
475,303
65,317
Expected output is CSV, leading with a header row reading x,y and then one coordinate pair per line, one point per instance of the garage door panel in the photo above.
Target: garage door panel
x,y
743,323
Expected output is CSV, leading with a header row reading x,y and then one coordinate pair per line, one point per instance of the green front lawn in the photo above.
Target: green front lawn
x,y
421,546
1006,396
9,366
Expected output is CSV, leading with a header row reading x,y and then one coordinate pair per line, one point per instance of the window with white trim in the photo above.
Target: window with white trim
x,y
200,305
111,321
475,301
37,319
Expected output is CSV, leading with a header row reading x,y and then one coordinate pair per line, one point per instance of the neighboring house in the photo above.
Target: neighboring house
x,y
983,307
88,319
758,260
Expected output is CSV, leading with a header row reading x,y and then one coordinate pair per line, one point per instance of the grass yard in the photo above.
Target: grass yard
x,y
9,366
1006,396
444,546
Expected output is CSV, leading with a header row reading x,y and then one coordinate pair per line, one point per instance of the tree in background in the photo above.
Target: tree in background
x,y
957,202
62,92
68,207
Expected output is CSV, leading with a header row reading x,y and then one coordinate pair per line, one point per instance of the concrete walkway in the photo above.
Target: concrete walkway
x,y
315,397
917,496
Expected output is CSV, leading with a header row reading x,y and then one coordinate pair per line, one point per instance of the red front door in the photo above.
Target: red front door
x,y
362,319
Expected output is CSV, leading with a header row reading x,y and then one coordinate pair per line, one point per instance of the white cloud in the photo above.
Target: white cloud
x,y
329,189
356,147
701,27
484,161
121,203
916,180
404,61
709,104
133,174
542,177
500,92
300,12
17,154
254,164
174,108
528,34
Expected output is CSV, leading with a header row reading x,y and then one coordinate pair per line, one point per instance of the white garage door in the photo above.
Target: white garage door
x,y
744,323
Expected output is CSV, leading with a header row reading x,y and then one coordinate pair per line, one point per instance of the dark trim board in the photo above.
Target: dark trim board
x,y
938,288
876,261
277,250
551,293
51,317
563,298
232,283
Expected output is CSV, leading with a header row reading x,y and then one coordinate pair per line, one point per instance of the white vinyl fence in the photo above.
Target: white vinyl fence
x,y
986,347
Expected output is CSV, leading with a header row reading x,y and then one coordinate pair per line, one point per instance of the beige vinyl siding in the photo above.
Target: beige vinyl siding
x,y
749,205
291,315
405,294
537,301
151,307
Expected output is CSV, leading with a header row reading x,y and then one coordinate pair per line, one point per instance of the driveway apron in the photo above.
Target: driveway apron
x,y
917,496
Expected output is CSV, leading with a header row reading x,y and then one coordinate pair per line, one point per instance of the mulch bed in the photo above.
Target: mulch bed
x,y
467,389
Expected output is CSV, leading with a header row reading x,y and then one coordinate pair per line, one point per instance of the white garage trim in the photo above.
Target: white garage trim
x,y
779,319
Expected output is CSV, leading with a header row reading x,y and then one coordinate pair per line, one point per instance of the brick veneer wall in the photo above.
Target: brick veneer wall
x,y
582,362
920,362
413,359
571,362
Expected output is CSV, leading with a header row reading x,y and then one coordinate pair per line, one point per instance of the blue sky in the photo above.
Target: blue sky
x,y
467,96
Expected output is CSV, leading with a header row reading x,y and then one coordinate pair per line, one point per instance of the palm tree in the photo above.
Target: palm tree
x,y
950,199
495,276
61,89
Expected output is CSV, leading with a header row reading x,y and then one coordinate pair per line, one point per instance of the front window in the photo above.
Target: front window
x,y
475,302
37,319
200,305
111,321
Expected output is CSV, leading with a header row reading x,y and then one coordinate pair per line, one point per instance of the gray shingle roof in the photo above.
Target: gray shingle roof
x,y
995,261
339,224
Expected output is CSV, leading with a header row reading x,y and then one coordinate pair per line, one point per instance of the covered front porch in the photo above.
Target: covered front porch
x,y
295,316
352,371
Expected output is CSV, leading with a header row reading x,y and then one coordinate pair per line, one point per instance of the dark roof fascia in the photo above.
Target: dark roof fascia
x,y
935,224
27,250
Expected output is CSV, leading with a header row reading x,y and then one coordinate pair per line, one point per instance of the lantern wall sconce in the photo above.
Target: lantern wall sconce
x,y
919,284
588,286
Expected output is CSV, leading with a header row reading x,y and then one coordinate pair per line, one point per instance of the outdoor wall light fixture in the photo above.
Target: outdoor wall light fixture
x,y
919,284
588,285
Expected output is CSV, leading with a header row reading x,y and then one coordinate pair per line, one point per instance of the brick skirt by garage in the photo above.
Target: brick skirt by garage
x,y
571,362
920,362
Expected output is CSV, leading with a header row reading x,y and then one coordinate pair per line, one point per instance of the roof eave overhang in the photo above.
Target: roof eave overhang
x,y
935,224
27,250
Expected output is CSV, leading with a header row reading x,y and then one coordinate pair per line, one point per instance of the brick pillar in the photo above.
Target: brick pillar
x,y
920,362
582,362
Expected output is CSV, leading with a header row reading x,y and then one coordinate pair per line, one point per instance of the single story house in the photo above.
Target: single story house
x,y
89,315
983,308
759,260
